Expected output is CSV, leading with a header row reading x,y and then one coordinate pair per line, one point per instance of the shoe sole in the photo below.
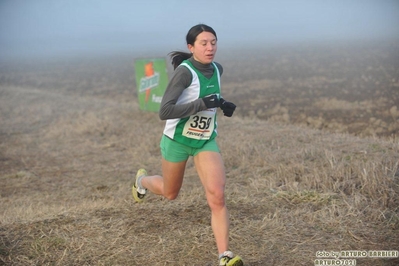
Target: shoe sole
x,y
236,261
135,194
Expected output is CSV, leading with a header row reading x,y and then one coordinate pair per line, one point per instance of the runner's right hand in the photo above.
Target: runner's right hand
x,y
211,101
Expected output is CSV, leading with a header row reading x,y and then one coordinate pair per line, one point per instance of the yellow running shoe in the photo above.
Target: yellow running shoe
x,y
139,193
228,259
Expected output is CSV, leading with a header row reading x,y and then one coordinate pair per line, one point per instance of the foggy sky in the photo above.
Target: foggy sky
x,y
43,28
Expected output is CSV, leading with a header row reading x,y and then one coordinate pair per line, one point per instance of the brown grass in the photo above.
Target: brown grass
x,y
72,138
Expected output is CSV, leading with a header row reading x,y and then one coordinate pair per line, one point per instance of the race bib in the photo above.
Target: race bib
x,y
201,125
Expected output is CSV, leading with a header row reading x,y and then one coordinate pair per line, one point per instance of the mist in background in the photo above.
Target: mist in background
x,y
45,28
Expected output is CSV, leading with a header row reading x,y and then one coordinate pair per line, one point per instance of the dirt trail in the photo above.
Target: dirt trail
x,y
72,138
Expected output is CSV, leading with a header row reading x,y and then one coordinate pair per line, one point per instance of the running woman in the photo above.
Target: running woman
x,y
189,107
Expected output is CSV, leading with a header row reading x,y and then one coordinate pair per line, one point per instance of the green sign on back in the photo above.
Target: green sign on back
x,y
151,80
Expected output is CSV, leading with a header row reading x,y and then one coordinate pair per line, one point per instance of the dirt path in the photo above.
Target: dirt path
x,y
68,152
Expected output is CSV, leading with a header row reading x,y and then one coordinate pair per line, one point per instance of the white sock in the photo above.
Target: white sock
x,y
139,182
226,253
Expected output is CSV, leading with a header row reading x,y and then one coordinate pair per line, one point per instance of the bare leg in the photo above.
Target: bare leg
x,y
210,168
170,183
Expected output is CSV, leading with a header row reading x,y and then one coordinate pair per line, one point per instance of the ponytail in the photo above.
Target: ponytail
x,y
178,57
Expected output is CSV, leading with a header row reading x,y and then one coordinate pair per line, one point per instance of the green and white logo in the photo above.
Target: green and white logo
x,y
151,80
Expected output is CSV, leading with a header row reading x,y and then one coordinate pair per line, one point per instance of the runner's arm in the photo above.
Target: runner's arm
x,y
180,80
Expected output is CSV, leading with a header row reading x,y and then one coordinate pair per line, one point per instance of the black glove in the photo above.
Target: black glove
x,y
211,101
227,107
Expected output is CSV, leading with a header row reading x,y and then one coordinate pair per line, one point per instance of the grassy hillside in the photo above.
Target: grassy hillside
x,y
72,137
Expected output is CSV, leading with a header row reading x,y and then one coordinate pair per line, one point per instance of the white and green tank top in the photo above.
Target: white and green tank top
x,y
197,129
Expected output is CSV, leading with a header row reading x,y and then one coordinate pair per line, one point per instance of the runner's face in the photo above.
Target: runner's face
x,y
204,48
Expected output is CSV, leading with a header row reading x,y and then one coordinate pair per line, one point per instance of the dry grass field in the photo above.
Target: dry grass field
x,y
311,156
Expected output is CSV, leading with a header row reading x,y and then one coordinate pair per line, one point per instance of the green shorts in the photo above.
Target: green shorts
x,y
173,151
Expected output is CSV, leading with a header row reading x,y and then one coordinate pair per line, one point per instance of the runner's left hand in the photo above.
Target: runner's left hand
x,y
228,108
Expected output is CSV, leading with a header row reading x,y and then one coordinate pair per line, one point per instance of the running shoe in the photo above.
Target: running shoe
x,y
139,193
229,259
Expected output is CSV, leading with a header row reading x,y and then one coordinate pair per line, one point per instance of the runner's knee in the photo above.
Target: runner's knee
x,y
171,195
216,199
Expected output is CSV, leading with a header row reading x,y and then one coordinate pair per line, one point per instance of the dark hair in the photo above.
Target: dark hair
x,y
177,56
